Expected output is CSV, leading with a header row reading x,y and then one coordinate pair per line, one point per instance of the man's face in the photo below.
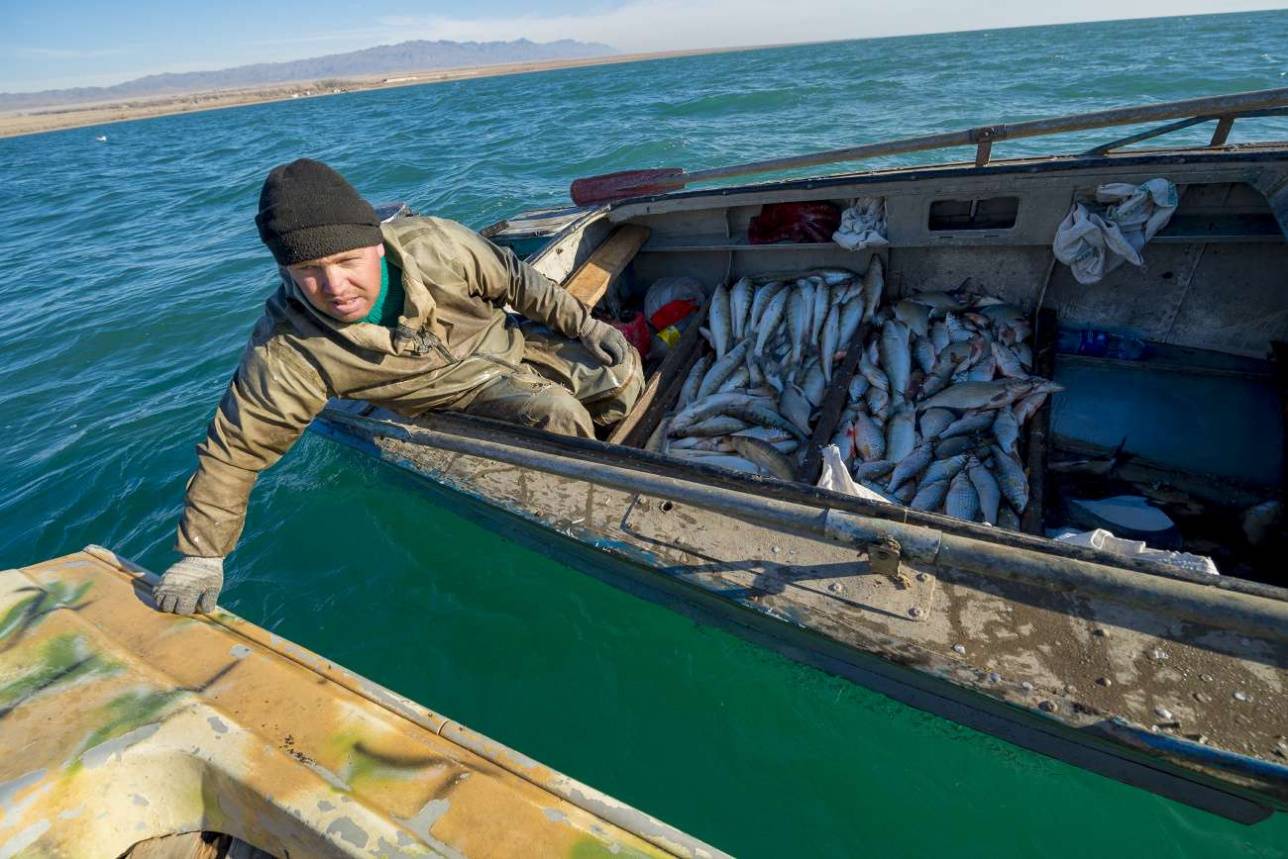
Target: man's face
x,y
343,285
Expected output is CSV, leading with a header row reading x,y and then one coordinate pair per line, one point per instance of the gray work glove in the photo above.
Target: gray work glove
x,y
604,341
192,583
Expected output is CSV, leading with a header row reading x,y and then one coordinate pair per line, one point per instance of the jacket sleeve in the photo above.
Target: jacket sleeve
x,y
502,278
268,404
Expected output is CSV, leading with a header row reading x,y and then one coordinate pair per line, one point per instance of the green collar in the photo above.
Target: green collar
x,y
388,306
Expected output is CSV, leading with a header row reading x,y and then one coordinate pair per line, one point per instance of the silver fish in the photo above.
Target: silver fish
x,y
867,484
916,316
858,385
939,336
962,500
936,381
763,454
944,469
868,369
979,395
869,441
711,444
828,341
844,440
930,496
873,470
768,434
1024,354
835,276
815,386
1008,518
740,306
958,331
759,301
924,354
942,300
1007,362
878,400
723,368
873,286
851,319
720,322
772,374
755,376
794,406
984,370
1002,314
904,494
968,424
910,466
901,432
822,303
714,404
757,412
739,378
689,391
768,323
1011,479
799,308
952,446
733,463
1027,407
896,360
1006,430
935,421
986,488
716,425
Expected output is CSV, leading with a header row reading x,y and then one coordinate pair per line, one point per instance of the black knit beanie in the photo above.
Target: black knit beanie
x,y
308,211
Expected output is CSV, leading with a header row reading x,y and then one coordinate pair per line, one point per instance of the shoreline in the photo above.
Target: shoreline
x,y
58,118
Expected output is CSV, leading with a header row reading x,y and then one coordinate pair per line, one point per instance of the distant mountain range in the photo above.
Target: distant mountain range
x,y
402,58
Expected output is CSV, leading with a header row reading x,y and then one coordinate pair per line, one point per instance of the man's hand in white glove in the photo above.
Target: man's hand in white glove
x,y
603,341
191,584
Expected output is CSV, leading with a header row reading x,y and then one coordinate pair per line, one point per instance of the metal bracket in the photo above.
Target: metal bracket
x,y
884,556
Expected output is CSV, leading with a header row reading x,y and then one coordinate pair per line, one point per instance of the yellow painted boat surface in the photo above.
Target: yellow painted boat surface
x,y
121,724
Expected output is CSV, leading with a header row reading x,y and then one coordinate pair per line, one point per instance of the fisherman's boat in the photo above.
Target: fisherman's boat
x,y
133,733
1158,674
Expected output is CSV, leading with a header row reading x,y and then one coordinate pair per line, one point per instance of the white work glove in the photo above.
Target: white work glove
x,y
191,584
604,341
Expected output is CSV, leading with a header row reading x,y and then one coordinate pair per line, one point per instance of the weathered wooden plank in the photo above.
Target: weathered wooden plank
x,y
589,282
1040,423
834,402
662,388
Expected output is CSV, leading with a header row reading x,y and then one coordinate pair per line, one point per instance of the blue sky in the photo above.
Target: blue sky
x,y
81,43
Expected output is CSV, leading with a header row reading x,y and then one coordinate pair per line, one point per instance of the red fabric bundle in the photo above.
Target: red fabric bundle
x,y
794,222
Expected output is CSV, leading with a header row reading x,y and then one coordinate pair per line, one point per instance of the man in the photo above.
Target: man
x,y
407,315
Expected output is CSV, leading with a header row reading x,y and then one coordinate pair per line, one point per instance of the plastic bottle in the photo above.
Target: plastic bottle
x,y
1100,344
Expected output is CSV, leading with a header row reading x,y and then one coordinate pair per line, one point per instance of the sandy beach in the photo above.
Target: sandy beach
x,y
38,120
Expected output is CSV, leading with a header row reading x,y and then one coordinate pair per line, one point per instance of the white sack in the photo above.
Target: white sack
x,y
1094,242
863,225
836,477
1106,541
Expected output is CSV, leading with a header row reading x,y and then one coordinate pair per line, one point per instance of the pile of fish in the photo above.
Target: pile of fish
x,y
943,388
751,402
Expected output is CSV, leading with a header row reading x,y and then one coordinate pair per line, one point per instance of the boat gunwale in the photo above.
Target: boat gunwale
x,y
594,450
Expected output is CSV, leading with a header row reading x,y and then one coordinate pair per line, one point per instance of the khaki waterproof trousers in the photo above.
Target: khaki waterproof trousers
x,y
559,387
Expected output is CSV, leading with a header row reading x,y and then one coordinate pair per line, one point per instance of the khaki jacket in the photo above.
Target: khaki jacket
x,y
452,337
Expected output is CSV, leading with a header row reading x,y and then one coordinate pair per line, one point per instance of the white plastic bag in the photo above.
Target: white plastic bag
x,y
863,225
1093,243
836,477
1106,541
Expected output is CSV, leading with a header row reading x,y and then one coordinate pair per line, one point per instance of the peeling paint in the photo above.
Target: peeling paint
x,y
98,755
219,725
23,839
239,651
349,831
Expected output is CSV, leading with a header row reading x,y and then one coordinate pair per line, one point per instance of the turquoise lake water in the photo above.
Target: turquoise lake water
x,y
134,275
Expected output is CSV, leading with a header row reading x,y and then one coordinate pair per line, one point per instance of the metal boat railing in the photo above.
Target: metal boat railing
x,y
1222,109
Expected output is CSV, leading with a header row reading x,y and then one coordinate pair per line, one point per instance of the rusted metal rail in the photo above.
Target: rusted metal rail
x,y
1222,108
